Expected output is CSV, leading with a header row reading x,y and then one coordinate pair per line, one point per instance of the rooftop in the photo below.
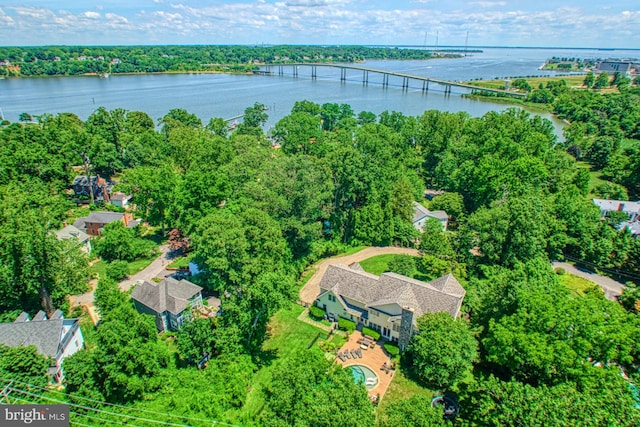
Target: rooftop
x,y
169,295
442,294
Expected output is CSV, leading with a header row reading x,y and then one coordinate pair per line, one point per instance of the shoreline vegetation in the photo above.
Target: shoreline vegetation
x,y
102,61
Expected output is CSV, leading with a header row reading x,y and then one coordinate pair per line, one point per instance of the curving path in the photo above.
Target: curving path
x,y
311,290
612,289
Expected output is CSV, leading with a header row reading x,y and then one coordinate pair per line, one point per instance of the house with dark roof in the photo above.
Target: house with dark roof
x,y
83,186
72,232
422,215
54,337
389,303
170,301
95,222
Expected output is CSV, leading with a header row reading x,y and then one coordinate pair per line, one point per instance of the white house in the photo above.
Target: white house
x,y
422,214
389,303
55,337
631,209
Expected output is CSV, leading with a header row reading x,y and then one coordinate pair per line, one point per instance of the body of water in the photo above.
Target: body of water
x,y
222,95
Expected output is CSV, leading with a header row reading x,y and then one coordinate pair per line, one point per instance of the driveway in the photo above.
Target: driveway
x,y
153,270
311,290
612,289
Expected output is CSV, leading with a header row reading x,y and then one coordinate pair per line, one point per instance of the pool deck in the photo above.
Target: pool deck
x,y
372,358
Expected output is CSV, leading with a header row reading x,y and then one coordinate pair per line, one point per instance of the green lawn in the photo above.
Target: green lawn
x,y
98,269
288,337
596,178
402,387
181,262
577,285
380,263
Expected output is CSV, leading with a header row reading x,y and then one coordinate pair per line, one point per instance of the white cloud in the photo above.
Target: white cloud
x,y
91,15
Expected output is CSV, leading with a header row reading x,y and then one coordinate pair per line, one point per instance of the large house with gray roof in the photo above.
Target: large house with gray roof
x,y
389,303
95,222
170,301
54,337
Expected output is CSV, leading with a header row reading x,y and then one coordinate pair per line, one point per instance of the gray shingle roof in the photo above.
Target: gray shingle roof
x,y
104,217
442,294
168,295
44,334
72,232
419,212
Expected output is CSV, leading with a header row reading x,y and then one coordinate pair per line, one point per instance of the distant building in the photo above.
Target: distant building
x,y
613,66
56,337
170,301
101,187
422,214
631,209
95,222
120,200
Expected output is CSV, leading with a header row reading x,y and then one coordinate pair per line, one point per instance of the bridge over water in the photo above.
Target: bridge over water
x,y
294,70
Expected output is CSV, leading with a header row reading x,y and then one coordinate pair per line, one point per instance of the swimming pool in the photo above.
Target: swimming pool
x,y
363,375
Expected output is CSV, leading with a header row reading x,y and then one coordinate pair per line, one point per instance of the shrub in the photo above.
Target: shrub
x,y
392,349
346,325
316,312
560,271
116,270
372,333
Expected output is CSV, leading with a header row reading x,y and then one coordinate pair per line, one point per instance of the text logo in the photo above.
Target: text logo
x,y
34,415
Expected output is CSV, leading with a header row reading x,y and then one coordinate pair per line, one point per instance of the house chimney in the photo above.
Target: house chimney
x,y
406,328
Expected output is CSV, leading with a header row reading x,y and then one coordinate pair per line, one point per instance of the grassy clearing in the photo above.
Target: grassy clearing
x,y
288,337
596,178
182,262
380,263
98,269
572,81
402,387
577,285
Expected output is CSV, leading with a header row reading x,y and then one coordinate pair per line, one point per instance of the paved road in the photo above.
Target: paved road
x,y
612,289
311,290
153,270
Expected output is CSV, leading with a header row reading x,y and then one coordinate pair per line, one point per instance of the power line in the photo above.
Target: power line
x,y
215,422
86,415
99,410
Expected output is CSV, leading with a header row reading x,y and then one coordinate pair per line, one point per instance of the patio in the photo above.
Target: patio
x,y
373,358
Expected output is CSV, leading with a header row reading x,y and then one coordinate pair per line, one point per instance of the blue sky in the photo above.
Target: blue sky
x,y
566,23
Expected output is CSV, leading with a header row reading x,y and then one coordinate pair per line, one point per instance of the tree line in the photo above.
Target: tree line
x,y
75,60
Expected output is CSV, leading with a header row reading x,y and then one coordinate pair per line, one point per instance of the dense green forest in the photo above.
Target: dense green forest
x,y
74,60
258,209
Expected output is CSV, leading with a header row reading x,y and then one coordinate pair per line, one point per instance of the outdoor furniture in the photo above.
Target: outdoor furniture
x,y
346,354
364,347
359,351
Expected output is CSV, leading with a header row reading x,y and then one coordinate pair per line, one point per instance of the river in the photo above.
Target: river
x,y
223,95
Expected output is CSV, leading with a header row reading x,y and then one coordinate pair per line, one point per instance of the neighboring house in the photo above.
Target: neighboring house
x,y
56,337
422,214
631,209
71,232
170,301
389,303
120,200
83,186
95,222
